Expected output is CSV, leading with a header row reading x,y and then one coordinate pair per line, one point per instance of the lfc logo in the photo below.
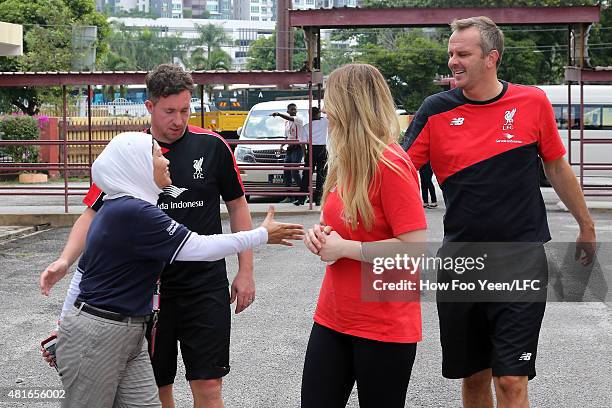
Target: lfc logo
x,y
197,166
509,116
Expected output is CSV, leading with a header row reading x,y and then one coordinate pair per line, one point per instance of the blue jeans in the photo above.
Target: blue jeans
x,y
294,155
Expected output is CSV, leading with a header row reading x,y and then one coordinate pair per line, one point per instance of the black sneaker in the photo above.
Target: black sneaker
x,y
287,200
298,202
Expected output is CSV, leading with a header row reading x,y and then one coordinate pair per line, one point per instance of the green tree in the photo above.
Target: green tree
x,y
218,60
208,54
144,49
534,54
601,38
522,63
409,68
210,39
115,62
20,127
262,52
334,55
47,43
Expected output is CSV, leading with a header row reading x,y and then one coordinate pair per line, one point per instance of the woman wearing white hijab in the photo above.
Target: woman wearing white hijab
x,y
101,349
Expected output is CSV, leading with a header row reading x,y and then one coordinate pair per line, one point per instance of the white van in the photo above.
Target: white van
x,y
597,123
259,125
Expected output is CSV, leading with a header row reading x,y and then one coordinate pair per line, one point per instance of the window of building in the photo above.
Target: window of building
x,y
212,7
254,18
254,9
240,54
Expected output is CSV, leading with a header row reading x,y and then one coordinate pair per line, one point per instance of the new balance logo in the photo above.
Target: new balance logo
x,y
173,191
457,122
525,357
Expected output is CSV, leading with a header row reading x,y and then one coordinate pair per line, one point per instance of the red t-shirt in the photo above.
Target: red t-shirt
x,y
397,210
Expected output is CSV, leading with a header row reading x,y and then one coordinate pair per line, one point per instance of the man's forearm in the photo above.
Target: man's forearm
x,y
240,220
566,186
286,117
76,240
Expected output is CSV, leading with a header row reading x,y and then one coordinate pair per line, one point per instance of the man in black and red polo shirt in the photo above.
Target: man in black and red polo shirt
x,y
195,301
484,140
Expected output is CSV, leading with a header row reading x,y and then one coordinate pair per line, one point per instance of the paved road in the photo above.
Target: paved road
x,y
269,339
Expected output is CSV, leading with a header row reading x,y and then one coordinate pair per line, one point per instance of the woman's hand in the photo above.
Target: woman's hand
x,y
280,232
333,248
315,237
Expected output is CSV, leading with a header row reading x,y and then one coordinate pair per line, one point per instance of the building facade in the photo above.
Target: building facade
x,y
255,10
241,33
115,6
210,9
167,8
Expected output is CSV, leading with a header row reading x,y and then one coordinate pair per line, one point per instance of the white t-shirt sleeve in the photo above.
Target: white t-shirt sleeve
x,y
215,247
72,293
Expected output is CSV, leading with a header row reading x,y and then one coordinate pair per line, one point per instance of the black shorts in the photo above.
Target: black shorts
x,y
201,324
500,336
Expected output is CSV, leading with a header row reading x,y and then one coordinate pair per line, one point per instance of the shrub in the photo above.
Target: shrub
x,y
20,127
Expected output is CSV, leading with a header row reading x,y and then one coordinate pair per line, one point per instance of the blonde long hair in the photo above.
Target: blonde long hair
x,y
362,124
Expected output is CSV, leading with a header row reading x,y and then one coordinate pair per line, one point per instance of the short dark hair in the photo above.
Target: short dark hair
x,y
166,80
315,110
291,104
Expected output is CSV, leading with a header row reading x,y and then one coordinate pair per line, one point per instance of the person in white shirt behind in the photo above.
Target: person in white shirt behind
x,y
293,131
319,156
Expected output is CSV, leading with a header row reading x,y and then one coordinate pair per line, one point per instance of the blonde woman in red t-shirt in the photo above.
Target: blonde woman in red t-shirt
x,y
371,195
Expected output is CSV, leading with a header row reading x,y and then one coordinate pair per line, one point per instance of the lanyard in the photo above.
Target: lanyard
x,y
156,303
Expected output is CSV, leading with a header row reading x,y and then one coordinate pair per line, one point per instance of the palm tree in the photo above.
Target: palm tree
x,y
216,60
115,62
211,38
208,54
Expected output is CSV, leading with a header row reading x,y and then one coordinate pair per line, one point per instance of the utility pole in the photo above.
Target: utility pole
x,y
284,37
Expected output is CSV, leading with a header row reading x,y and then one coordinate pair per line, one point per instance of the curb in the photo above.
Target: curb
x,y
593,206
21,232
33,220
17,233
67,220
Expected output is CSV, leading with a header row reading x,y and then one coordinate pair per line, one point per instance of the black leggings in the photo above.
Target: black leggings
x,y
334,361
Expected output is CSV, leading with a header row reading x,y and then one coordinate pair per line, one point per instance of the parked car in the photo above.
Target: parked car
x,y
259,125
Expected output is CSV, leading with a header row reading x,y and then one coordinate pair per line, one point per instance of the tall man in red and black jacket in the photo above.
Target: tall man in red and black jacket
x,y
195,301
484,140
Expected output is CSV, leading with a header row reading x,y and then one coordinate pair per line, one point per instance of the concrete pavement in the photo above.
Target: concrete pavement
x,y
269,339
